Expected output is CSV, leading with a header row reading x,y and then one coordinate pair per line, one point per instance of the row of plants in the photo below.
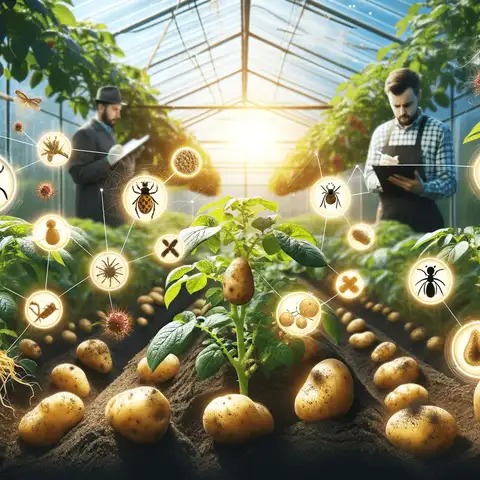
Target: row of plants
x,y
439,48
42,40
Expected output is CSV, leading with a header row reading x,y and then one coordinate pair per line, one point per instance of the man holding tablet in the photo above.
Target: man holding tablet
x,y
410,160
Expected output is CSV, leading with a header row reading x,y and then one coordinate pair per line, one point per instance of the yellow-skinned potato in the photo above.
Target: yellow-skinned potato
x,y
30,349
238,283
235,418
141,414
206,308
71,378
357,325
147,309
167,369
327,392
476,402
362,340
95,354
393,317
378,307
144,299
340,311
395,373
418,334
408,326
386,311
347,318
160,290
435,343
384,352
51,419
423,431
85,325
69,336
158,298
142,322
404,396
48,339
369,305
199,303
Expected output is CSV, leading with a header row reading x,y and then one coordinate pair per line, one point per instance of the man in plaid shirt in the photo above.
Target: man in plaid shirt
x,y
411,138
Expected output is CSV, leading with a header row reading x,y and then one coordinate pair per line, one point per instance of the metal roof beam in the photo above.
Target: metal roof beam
x,y
245,6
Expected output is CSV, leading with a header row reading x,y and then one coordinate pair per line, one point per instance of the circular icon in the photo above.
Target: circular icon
x,y
43,309
170,248
299,313
462,351
430,281
349,284
51,232
186,162
476,174
330,197
361,236
54,149
109,271
8,184
145,198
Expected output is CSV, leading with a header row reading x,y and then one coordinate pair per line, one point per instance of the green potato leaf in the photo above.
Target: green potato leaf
x,y
301,251
209,361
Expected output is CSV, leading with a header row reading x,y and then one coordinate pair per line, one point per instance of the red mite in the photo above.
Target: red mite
x,y
46,190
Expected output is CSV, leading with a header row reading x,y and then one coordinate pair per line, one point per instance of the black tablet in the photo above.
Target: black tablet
x,y
383,172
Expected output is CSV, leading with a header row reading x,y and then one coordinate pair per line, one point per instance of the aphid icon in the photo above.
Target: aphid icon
x,y
429,285
330,196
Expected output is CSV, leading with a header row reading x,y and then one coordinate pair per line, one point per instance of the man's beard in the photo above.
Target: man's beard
x,y
407,120
106,120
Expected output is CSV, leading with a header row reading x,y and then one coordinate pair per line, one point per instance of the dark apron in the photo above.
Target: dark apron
x,y
420,213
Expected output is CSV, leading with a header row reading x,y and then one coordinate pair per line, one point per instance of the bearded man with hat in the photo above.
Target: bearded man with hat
x,y
96,162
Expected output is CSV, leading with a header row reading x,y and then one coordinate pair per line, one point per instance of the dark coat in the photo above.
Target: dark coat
x,y
92,171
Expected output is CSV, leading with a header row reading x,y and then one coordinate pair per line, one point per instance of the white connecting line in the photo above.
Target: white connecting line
x,y
452,313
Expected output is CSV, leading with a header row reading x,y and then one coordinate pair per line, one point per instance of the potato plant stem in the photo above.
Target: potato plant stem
x,y
239,329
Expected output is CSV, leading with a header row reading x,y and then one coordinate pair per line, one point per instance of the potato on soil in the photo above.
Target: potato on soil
x,y
408,326
95,354
308,308
238,283
30,349
362,340
101,314
236,418
422,431
199,303
340,311
206,308
144,299
369,305
85,325
167,369
363,299
418,334
51,419
393,317
384,352
158,298
435,343
70,378
147,309
197,312
356,325
347,318
377,308
386,311
409,394
396,372
69,336
327,392
142,322
48,339
160,290
141,414
72,326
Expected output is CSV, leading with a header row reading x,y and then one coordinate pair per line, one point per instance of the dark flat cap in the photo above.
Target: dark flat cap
x,y
109,94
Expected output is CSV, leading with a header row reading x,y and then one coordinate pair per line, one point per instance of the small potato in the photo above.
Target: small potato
x,y
48,339
85,325
384,352
347,318
72,326
369,305
340,311
197,312
69,336
406,395
144,299
362,340
418,334
423,431
236,418
160,290
30,349
476,402
386,311
101,314
158,298
142,322
165,371
95,354
378,307
435,343
51,419
301,322
206,308
327,392
141,414
358,325
396,372
393,317
363,299
147,309
408,326
199,303
70,378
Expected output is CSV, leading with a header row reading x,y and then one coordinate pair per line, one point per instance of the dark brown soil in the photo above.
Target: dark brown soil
x,y
353,446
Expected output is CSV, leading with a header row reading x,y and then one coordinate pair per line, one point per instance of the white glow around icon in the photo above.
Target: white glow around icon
x,y
298,313
43,309
361,236
109,271
186,162
330,197
170,249
54,149
349,284
51,232
8,184
145,198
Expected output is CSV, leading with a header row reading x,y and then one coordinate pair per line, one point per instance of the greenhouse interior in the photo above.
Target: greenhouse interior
x,y
238,238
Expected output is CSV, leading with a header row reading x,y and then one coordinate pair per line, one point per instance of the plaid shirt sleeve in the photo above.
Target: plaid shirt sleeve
x,y
442,181
373,158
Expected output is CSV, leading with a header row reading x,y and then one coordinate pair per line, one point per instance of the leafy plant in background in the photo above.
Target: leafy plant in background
x,y
44,40
264,245
439,45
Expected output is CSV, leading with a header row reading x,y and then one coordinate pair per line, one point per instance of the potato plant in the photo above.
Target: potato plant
x,y
240,326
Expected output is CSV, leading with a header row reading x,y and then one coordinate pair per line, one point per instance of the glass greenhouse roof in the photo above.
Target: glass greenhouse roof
x,y
252,52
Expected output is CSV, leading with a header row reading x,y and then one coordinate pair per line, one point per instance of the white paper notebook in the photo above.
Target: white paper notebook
x,y
132,145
